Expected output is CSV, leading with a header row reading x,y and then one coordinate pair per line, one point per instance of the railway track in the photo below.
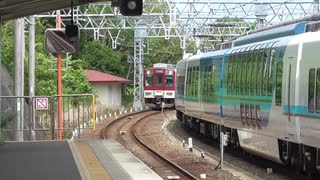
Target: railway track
x,y
124,130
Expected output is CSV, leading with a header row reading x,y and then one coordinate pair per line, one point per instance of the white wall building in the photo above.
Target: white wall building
x,y
108,87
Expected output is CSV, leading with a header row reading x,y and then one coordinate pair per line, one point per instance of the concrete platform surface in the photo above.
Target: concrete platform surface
x,y
71,160
121,163
37,160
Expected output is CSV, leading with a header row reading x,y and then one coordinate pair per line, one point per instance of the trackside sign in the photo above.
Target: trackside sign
x,y
41,103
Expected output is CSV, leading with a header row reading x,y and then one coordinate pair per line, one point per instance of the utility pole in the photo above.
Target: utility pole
x,y
19,74
59,67
31,74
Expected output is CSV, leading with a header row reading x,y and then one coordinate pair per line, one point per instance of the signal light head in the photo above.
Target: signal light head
x,y
131,7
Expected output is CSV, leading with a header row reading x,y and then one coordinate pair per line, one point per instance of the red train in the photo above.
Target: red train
x,y
159,83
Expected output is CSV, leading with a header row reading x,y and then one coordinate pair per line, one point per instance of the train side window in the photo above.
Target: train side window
x,y
311,98
197,81
205,81
208,80
318,91
240,68
188,81
260,71
191,76
194,81
271,71
279,84
249,75
264,62
191,81
254,72
236,76
212,81
244,73
229,80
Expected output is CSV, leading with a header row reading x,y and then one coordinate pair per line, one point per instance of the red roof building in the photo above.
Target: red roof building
x,y
100,77
108,87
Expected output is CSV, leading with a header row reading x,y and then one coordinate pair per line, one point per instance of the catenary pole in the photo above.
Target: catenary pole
x,y
18,69
31,74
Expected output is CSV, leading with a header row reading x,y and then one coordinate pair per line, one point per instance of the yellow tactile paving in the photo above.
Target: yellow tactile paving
x,y
86,157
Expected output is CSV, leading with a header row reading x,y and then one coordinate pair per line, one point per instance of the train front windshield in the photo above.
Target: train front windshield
x,y
149,80
169,80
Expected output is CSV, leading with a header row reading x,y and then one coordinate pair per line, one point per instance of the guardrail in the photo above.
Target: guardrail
x,y
36,118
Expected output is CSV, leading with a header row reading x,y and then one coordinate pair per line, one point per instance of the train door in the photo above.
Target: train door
x,y
289,95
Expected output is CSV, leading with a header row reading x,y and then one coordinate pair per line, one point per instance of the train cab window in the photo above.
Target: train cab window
x,y
279,84
158,80
169,80
149,80
311,87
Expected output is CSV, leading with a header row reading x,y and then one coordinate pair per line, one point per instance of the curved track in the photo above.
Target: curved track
x,y
123,130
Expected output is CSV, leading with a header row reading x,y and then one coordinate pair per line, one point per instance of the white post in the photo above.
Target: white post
x,y
190,144
221,148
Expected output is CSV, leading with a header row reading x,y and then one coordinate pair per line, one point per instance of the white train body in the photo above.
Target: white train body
x,y
265,93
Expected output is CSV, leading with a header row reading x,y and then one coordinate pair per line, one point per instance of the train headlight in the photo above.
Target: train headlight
x,y
148,93
169,93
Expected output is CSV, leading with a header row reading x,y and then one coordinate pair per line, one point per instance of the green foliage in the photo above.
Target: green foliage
x,y
163,51
8,46
127,96
6,120
74,79
101,58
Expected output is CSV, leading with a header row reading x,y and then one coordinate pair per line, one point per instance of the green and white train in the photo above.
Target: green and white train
x,y
264,91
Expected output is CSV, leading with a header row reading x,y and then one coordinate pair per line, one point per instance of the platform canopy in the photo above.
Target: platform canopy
x,y
11,9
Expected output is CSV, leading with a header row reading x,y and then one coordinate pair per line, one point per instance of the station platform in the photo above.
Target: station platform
x,y
71,160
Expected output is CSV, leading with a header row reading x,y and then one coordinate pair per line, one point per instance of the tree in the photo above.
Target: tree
x,y
46,77
98,57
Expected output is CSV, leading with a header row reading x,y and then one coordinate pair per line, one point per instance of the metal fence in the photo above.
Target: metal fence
x,y
24,118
